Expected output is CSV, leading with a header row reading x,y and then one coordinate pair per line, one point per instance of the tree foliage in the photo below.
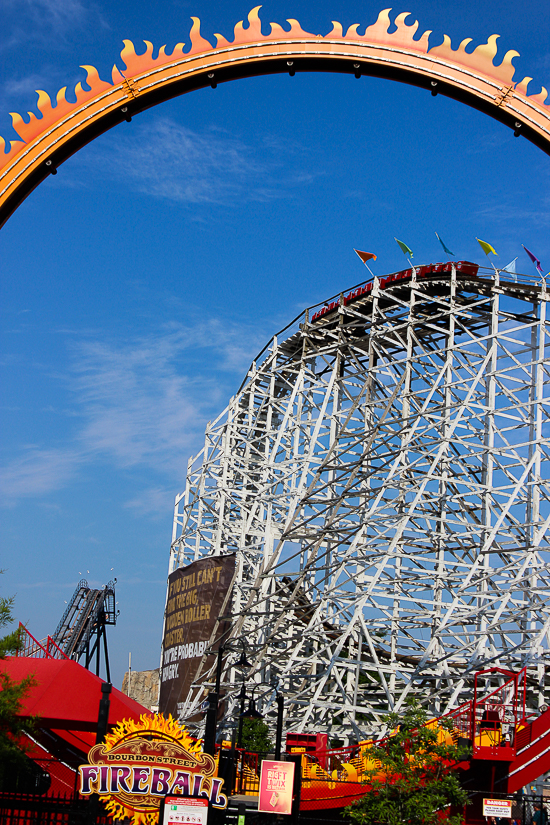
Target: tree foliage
x,y
12,692
412,782
11,643
255,737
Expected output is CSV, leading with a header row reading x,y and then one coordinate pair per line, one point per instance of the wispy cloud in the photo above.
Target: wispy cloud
x,y
55,13
155,501
46,585
542,61
18,94
487,143
37,472
169,161
500,211
46,22
27,86
142,402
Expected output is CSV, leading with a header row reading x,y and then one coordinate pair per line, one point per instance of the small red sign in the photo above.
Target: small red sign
x,y
276,783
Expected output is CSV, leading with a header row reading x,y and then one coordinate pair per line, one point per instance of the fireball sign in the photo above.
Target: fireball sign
x,y
141,762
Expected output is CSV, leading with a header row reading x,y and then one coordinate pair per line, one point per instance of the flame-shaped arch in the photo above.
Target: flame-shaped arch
x,y
63,128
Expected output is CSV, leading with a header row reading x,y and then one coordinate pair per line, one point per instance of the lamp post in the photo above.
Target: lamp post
x,y
213,697
279,730
252,713
241,718
212,710
242,663
221,651
102,725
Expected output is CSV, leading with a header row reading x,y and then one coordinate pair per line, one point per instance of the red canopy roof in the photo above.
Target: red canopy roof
x,y
67,695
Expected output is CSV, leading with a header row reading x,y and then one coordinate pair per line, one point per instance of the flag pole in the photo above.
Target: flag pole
x,y
497,272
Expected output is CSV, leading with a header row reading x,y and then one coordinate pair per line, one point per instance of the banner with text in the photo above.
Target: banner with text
x,y
196,596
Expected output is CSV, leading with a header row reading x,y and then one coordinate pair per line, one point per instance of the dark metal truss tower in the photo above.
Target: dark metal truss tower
x,y
82,627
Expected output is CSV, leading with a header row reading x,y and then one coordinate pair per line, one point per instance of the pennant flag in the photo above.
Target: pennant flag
x,y
511,269
486,247
535,261
365,256
403,247
447,251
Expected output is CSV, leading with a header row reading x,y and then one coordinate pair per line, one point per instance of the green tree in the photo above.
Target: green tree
x,y
255,736
12,694
414,783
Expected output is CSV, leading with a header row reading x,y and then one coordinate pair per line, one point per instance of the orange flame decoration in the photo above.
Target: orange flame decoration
x,y
480,61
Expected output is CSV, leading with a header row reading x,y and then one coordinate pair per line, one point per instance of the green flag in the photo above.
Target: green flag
x,y
403,247
486,247
447,251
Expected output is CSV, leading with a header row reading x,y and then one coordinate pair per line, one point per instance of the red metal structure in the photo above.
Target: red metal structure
x,y
509,748
515,744
65,700
31,648
490,723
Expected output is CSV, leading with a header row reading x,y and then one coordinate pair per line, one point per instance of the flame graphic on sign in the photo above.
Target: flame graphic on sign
x,y
480,61
152,723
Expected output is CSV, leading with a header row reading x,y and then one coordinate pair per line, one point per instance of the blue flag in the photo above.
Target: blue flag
x,y
447,251
511,268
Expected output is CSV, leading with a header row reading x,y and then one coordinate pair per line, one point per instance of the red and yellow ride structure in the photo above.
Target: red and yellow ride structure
x,y
505,747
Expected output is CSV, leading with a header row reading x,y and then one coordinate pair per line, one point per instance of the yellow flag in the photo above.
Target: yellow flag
x,y
486,247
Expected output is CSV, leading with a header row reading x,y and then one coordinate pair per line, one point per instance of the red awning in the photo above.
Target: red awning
x,y
67,695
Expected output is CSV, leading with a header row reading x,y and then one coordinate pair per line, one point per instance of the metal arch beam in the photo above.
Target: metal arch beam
x,y
470,78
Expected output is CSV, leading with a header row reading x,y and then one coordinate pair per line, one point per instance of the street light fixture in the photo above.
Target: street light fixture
x,y
243,663
213,697
254,714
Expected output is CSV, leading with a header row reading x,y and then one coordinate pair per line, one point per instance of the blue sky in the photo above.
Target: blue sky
x,y
139,282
